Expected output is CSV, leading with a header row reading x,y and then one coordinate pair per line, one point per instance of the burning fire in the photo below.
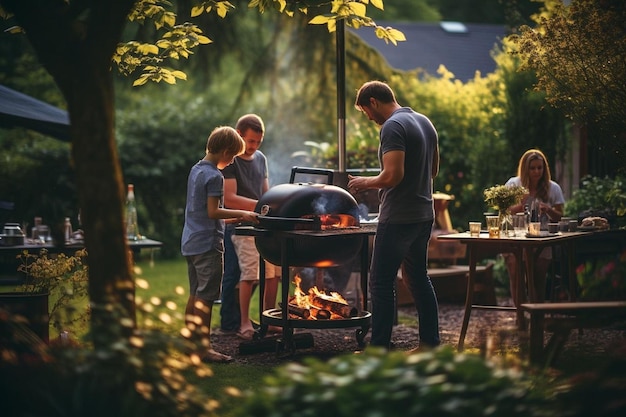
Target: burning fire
x,y
334,221
317,305
337,221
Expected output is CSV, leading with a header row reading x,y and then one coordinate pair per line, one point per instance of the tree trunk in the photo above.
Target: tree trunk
x,y
75,45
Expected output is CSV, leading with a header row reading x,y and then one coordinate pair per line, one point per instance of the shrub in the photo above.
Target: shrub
x,y
597,196
374,383
134,372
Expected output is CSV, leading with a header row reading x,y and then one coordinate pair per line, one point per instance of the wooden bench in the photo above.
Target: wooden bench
x,y
565,317
450,284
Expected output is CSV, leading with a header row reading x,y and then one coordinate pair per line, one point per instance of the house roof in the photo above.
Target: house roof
x,y
463,48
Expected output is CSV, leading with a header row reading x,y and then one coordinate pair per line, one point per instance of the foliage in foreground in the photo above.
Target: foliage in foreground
x,y
375,383
129,372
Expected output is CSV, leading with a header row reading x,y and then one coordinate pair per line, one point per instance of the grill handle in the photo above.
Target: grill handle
x,y
289,223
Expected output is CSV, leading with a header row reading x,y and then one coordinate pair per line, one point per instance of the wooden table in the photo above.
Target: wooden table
x,y
526,251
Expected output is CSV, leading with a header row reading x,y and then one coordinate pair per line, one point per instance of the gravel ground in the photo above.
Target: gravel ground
x,y
582,349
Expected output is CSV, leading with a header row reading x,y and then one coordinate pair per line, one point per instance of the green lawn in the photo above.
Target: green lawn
x,y
167,280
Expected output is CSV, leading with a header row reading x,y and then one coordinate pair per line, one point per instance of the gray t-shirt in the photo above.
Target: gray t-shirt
x,y
201,233
249,174
412,199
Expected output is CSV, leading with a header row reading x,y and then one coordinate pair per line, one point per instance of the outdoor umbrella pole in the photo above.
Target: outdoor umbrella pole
x,y
341,93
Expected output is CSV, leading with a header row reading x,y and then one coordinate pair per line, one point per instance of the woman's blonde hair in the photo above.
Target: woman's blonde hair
x,y
523,171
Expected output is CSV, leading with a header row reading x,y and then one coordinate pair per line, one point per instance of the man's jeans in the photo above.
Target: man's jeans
x,y
230,315
403,245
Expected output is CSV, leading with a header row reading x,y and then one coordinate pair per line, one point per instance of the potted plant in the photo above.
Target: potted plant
x,y
50,294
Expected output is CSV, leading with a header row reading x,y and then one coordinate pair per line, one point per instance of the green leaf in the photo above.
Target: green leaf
x,y
179,74
332,25
396,34
358,9
14,30
141,80
319,20
147,48
169,19
221,10
197,11
378,4
168,78
204,40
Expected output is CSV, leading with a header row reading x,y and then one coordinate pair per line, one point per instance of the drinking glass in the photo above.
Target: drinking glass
x,y
493,226
474,228
43,233
520,224
534,229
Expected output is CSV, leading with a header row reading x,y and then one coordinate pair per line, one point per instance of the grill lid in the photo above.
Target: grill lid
x,y
306,201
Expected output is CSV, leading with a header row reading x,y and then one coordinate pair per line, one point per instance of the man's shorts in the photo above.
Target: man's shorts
x,y
249,260
205,273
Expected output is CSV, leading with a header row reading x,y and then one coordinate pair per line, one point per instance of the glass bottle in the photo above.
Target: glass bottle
x,y
534,211
67,230
35,230
132,231
527,214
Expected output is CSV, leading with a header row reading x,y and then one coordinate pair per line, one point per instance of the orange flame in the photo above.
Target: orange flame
x,y
337,221
303,300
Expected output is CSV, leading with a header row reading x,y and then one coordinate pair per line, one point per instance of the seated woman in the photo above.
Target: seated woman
x,y
533,172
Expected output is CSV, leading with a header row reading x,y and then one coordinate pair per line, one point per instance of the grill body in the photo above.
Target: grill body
x,y
286,206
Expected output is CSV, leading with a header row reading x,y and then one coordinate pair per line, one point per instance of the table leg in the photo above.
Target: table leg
x,y
536,337
522,274
469,297
571,271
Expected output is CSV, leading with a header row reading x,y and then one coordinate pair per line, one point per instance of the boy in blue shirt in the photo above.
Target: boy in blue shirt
x,y
202,241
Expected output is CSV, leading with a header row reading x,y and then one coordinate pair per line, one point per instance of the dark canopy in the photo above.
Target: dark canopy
x,y
20,110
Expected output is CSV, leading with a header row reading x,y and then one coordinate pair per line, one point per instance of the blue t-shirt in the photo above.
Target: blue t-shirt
x,y
201,233
412,199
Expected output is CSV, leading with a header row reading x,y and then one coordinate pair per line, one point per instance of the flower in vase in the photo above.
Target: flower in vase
x,y
501,197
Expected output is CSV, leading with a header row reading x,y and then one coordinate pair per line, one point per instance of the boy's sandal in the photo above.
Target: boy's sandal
x,y
246,334
213,356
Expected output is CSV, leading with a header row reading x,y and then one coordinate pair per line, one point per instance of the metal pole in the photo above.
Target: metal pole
x,y
341,93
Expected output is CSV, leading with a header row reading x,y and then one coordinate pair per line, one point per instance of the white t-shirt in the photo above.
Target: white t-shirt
x,y
555,196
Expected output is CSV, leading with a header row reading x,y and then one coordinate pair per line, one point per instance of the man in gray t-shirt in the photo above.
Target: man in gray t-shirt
x,y
409,160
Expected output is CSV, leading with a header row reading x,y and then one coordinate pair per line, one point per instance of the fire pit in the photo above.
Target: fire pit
x,y
310,226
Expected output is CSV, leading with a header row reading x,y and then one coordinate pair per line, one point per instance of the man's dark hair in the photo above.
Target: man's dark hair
x,y
250,121
374,89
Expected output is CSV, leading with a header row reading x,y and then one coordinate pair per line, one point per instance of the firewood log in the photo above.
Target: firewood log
x,y
322,314
299,311
340,309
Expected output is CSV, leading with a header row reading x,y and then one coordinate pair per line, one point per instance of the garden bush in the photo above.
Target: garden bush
x,y
375,383
605,197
